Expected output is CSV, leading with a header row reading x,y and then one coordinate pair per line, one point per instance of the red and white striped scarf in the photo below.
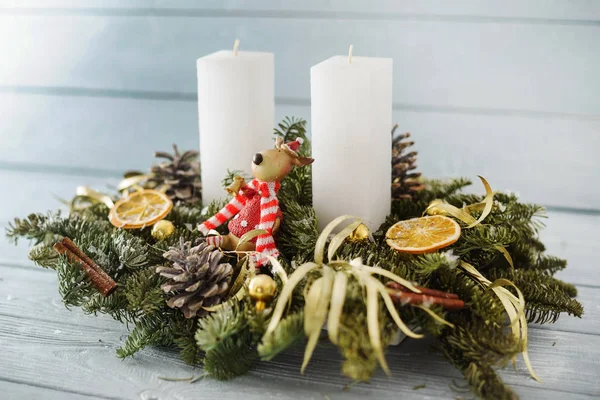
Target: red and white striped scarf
x,y
269,208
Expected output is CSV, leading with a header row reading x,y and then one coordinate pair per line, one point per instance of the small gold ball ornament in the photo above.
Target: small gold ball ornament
x,y
262,289
359,234
162,229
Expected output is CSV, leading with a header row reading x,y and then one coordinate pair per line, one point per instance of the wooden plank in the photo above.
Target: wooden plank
x,y
20,391
512,152
58,348
102,133
505,67
589,323
574,237
43,191
76,132
99,372
44,303
384,9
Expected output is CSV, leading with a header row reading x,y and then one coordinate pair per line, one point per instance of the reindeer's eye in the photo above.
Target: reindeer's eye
x,y
258,158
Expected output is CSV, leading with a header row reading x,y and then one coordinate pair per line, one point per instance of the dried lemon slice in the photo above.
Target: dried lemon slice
x,y
140,209
423,235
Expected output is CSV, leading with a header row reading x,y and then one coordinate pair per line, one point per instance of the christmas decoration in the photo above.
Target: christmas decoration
x,y
162,229
325,298
405,182
423,235
360,233
101,280
256,207
179,176
475,298
140,209
196,277
402,296
262,288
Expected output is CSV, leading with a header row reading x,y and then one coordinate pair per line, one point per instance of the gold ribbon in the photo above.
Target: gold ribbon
x,y
439,206
93,195
131,181
514,306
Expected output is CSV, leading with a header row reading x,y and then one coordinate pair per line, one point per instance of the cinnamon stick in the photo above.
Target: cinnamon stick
x,y
402,295
402,298
425,291
100,279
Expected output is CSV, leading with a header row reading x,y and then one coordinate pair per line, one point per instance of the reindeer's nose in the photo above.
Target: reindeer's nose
x,y
258,158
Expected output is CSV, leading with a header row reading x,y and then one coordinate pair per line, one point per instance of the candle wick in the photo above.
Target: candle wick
x,y
236,46
350,53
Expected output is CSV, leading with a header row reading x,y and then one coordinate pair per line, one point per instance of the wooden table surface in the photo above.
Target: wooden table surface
x,y
90,88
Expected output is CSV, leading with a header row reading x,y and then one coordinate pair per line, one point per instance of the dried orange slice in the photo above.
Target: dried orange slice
x,y
140,209
423,235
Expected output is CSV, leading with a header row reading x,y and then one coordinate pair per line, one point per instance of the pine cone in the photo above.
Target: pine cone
x,y
180,175
196,279
404,182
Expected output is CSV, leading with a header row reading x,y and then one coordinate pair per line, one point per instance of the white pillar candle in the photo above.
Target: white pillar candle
x,y
351,106
236,109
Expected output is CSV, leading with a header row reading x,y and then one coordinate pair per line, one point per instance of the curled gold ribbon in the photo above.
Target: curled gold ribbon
x,y
130,181
439,206
94,195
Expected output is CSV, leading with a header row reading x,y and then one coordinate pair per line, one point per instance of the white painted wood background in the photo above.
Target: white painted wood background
x,y
505,89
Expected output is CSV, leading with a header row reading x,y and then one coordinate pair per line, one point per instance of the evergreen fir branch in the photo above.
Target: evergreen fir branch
x,y
417,317
482,343
291,128
73,284
482,378
426,264
185,214
298,184
188,350
226,339
546,297
568,288
115,305
297,187
183,331
439,189
143,292
148,330
44,256
404,208
550,265
95,211
35,227
298,232
360,360
486,383
289,331
227,321
257,320
231,357
128,247
479,302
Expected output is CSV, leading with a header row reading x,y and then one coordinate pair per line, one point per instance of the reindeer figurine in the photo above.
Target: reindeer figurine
x,y
255,205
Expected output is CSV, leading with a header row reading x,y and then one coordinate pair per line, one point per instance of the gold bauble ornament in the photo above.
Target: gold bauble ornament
x,y
359,234
262,289
162,229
